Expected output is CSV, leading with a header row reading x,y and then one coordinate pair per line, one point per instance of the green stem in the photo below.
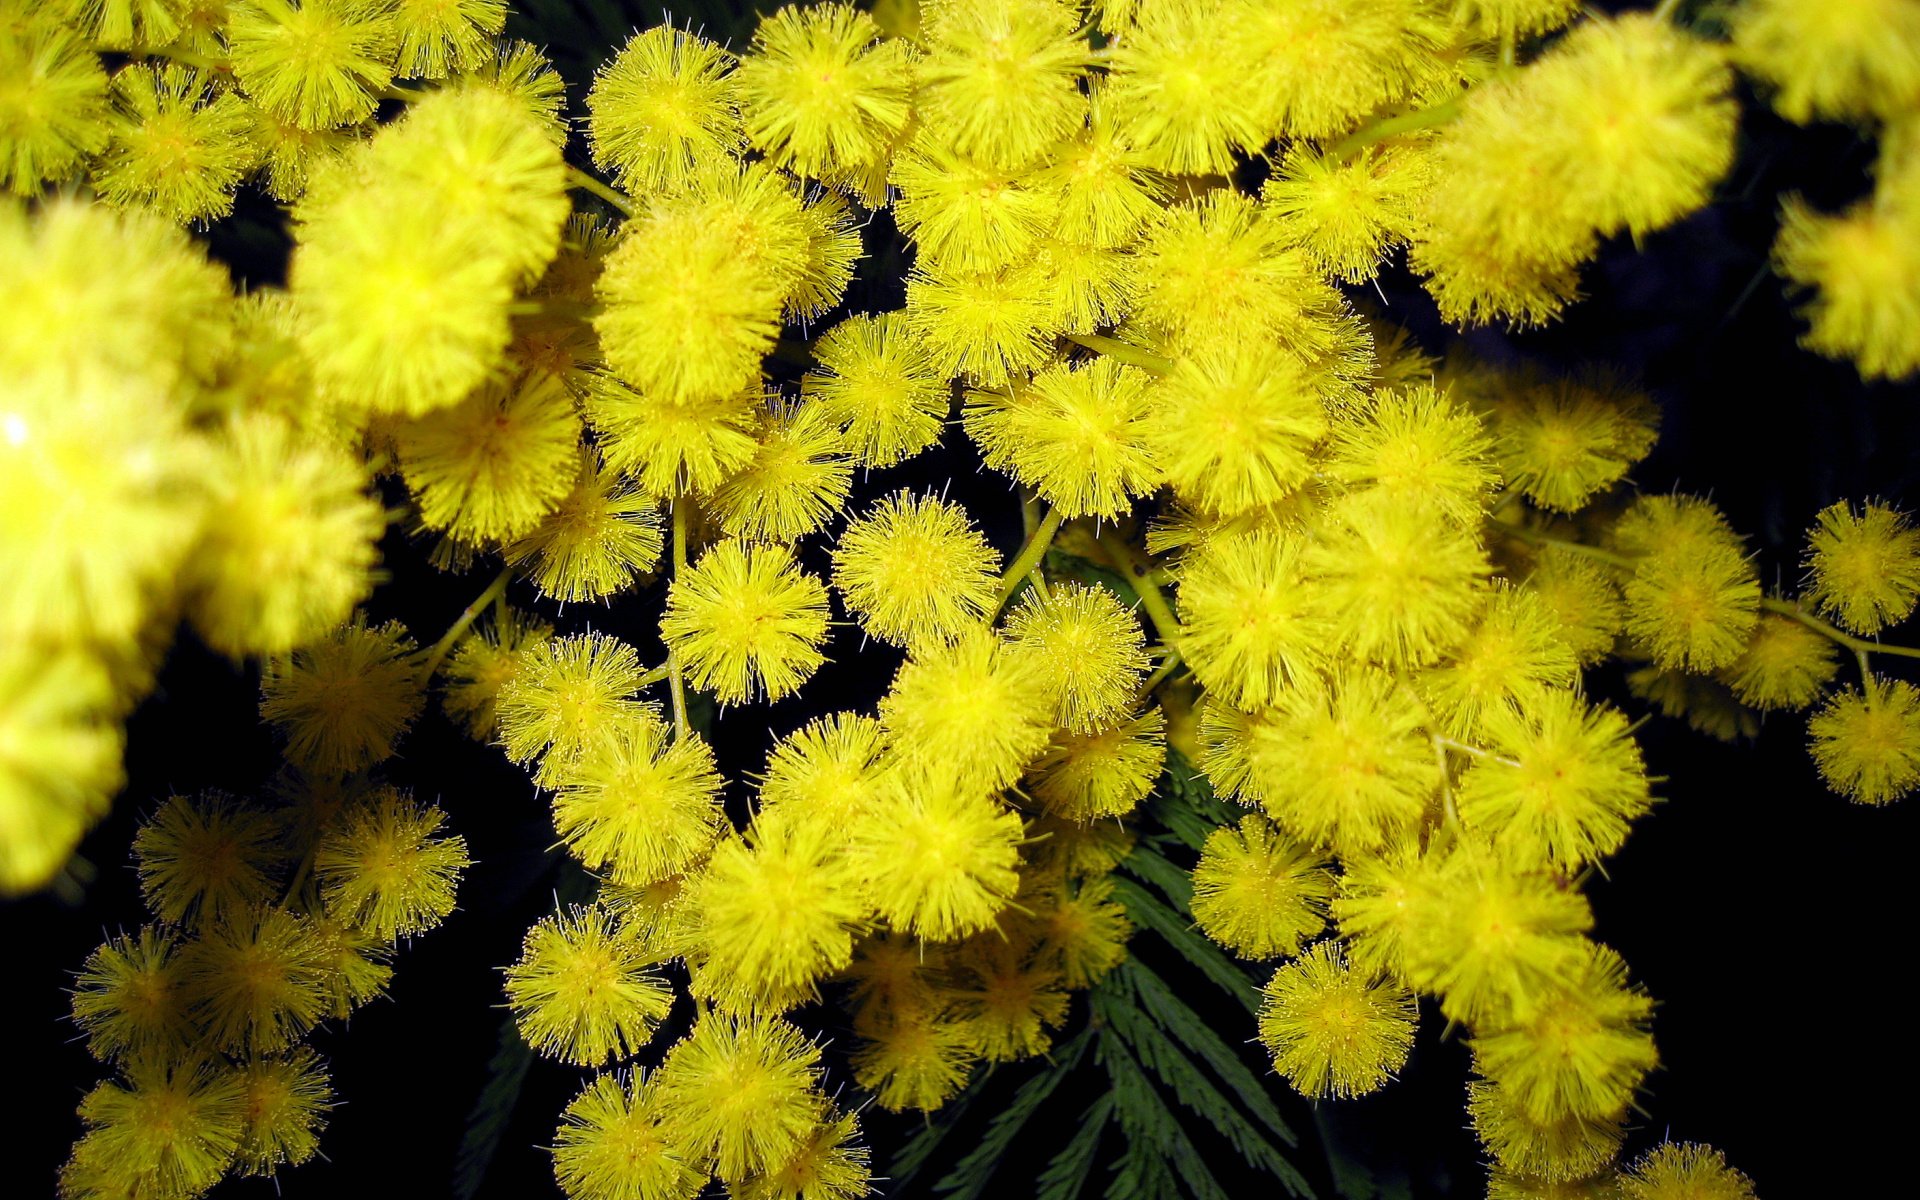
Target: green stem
x,y
1121,351
675,679
1860,646
1386,127
1167,667
1140,575
186,58
1029,556
468,616
1535,537
576,178
652,677
405,95
1666,10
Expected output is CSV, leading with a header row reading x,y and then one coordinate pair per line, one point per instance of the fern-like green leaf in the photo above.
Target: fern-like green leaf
x,y
1192,1088
969,1177
914,1154
1066,1176
1145,1118
1207,958
1161,1003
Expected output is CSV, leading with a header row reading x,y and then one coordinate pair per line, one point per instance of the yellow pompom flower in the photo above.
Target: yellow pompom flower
x,y
206,859
1234,424
386,869
667,445
286,1104
439,37
820,92
991,327
638,806
105,344
1416,444
1347,214
524,75
1400,585
1557,1151
600,538
1325,65
475,156
1684,1171
179,147
257,981
1846,60
400,311
1867,744
568,695
1863,267
663,108
914,570
1380,904
1342,762
826,770
685,315
1075,435
738,1094
1693,611
1086,777
877,379
1492,940
1514,658
746,622
1584,599
1249,625
1623,86
1332,1029
1582,1053
582,992
1785,665
1000,78
170,1129
344,700
127,996
1218,270
797,480
289,542
1184,95
965,214
775,916
939,862
59,759
98,502
1864,566
1104,191
1259,893
1563,441
834,248
829,1165
53,115
912,1060
1086,287
1005,998
1090,648
974,711
317,63
612,1144
489,468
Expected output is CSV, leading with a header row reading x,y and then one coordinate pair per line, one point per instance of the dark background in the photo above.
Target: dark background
x,y
1767,916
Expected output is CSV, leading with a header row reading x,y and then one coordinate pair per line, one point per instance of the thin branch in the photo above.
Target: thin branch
x,y
1120,351
1791,610
576,178
1140,575
675,680
468,616
1029,557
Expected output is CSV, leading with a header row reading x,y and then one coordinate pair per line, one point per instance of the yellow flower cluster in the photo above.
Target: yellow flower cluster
x,y
1354,583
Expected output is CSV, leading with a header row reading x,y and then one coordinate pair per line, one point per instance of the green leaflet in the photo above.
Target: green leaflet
x,y
1067,1174
969,1176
